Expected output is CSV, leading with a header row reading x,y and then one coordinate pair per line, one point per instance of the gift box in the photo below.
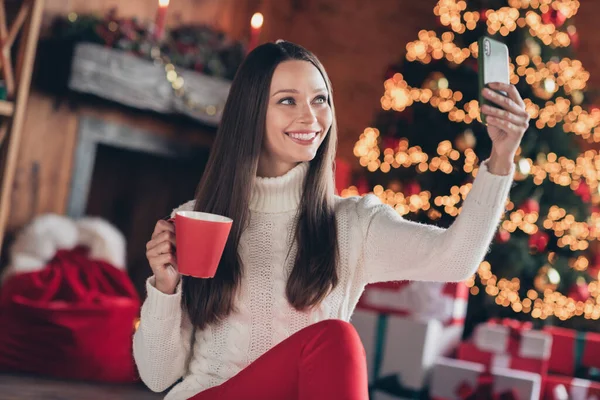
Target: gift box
x,y
401,351
446,302
468,351
508,344
458,379
569,388
574,353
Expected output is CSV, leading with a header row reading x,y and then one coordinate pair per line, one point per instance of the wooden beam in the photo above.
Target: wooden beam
x,y
7,108
18,23
10,150
3,129
7,70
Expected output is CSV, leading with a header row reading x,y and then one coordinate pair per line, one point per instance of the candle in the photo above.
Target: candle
x,y
255,26
161,18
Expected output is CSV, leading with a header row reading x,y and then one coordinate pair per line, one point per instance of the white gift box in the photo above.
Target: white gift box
x,y
446,302
449,375
403,347
496,338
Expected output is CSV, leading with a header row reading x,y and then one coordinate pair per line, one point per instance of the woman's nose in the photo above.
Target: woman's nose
x,y
307,115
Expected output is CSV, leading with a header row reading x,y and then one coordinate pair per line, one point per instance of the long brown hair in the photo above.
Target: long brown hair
x,y
227,183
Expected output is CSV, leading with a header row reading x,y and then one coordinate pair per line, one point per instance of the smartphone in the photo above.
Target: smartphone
x,y
493,66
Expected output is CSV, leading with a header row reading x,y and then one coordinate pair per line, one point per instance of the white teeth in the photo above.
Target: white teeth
x,y
303,136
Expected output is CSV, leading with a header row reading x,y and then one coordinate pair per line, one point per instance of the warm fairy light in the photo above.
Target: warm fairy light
x,y
505,20
163,3
569,74
399,95
571,233
551,303
567,7
257,20
546,78
564,76
429,47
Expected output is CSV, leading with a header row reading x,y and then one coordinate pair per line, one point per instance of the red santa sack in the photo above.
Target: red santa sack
x,y
73,318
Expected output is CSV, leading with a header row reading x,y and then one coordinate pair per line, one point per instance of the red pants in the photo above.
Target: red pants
x,y
325,360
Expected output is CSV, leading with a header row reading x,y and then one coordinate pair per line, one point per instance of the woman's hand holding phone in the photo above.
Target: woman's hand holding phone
x,y
506,123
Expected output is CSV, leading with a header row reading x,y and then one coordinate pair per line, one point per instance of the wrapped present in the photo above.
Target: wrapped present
x,y
510,344
458,379
574,353
446,302
513,337
468,351
569,388
401,351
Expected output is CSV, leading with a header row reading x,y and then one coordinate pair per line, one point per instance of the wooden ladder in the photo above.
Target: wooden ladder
x,y
17,81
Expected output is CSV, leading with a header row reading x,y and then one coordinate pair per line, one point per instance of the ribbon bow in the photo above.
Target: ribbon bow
x,y
515,332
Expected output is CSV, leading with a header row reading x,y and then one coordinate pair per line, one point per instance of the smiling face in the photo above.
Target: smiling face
x,y
298,117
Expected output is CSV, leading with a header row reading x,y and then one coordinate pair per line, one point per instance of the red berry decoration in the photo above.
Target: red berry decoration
x,y
529,206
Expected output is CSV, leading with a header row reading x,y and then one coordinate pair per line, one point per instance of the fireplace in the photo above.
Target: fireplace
x,y
131,178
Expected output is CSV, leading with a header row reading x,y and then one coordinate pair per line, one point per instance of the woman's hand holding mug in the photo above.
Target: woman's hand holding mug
x,y
160,251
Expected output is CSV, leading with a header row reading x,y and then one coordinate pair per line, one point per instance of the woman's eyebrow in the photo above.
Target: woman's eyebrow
x,y
321,89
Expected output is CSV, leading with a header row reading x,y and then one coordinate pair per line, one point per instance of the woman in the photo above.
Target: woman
x,y
273,322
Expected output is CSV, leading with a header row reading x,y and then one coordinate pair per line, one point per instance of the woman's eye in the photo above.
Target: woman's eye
x,y
287,101
321,99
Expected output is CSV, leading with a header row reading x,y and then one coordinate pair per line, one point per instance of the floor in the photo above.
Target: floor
x,y
22,387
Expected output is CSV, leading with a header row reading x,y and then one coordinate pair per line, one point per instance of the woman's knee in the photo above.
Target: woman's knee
x,y
339,329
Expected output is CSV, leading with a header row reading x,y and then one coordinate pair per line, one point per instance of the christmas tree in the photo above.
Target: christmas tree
x,y
423,152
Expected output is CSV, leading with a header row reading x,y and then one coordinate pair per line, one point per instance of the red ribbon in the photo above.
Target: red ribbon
x,y
515,332
484,390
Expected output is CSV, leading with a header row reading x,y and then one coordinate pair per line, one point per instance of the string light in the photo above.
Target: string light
x,y
399,95
505,20
429,47
177,84
552,303
546,79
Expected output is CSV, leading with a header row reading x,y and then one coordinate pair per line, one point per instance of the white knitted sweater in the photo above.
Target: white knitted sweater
x,y
376,245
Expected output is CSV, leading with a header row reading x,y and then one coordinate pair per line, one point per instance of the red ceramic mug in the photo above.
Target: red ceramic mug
x,y
200,240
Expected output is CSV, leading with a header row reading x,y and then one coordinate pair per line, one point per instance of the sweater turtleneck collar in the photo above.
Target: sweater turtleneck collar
x,y
279,194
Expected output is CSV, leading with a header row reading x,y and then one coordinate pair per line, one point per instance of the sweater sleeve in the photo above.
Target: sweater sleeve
x,y
397,249
161,344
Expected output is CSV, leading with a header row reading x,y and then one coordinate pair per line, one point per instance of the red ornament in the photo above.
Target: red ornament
x,y
390,72
412,188
472,63
342,175
583,191
482,15
363,186
579,292
574,39
529,206
538,241
502,236
390,143
554,17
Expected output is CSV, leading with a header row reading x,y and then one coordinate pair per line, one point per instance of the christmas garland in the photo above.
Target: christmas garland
x,y
193,47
